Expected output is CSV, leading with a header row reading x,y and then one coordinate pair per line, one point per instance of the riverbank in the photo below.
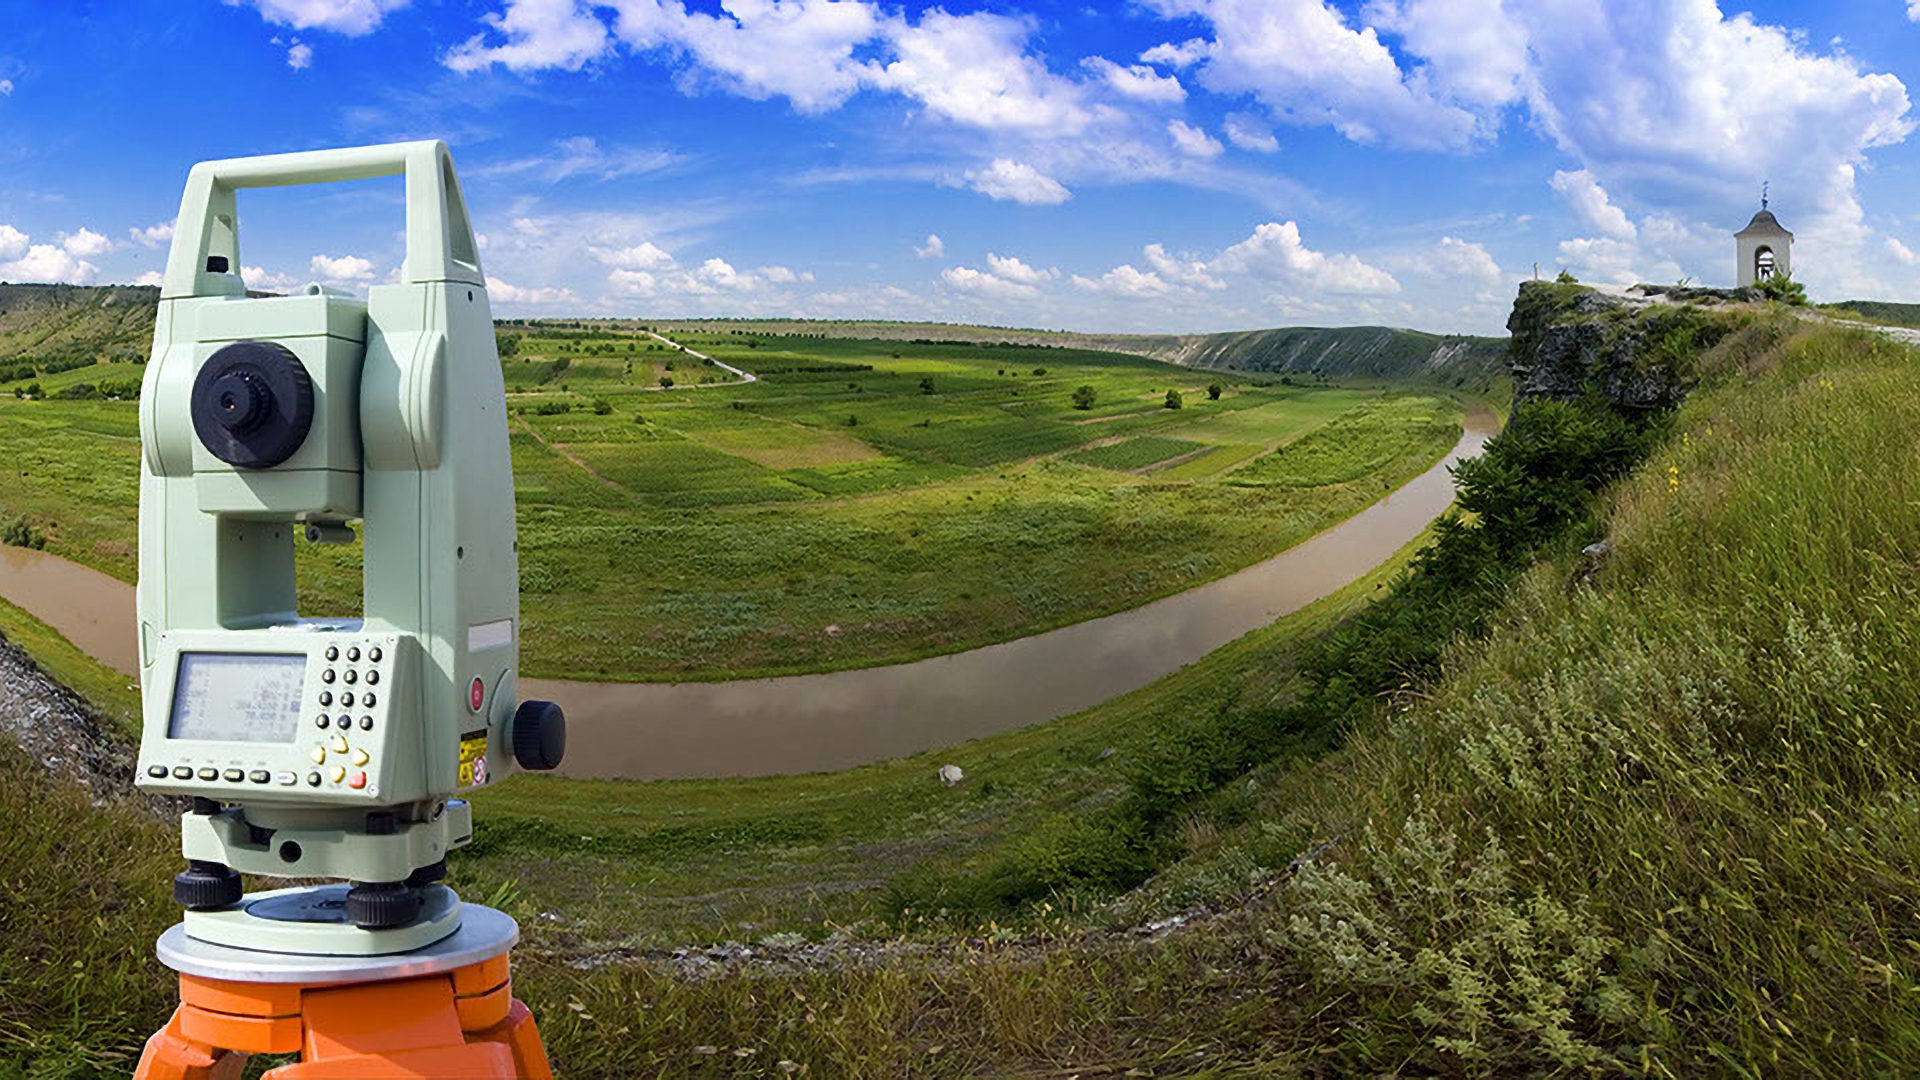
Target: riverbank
x,y
838,720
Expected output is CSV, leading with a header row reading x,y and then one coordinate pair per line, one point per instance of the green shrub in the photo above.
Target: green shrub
x,y
1084,397
1213,391
21,533
1174,401
602,407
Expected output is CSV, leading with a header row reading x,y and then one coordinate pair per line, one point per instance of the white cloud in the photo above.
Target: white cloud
x,y
539,34
152,236
1901,253
1589,203
1302,61
13,242
346,269
632,282
1185,54
1913,10
967,279
932,249
1474,52
299,56
1275,251
1011,268
1454,260
974,69
48,262
6,87
1013,181
713,277
1192,141
260,279
350,17
84,243
1139,82
642,256
1123,280
151,277
1248,133
514,294
798,49
1180,271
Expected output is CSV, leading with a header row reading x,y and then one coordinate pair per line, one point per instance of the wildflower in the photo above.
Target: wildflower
x,y
1673,479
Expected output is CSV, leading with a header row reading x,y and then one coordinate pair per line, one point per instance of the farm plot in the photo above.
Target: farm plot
x,y
1135,453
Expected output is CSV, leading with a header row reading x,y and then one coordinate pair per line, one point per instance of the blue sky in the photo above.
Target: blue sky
x,y
1155,165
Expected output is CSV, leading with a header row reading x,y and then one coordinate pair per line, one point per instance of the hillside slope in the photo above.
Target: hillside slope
x,y
75,324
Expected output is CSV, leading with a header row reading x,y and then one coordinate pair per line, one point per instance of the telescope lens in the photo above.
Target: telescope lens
x,y
252,404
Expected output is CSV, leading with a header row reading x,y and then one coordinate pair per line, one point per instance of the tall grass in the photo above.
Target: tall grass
x,y
1666,819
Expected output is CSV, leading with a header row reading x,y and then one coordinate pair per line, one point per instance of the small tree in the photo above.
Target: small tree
x,y
601,406
926,385
1083,398
666,382
1173,399
1213,391
1783,288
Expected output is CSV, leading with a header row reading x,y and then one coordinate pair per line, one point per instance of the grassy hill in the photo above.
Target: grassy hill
x,y
865,502
1656,811
1331,352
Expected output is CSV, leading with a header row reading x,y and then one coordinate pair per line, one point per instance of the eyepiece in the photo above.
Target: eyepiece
x,y
252,404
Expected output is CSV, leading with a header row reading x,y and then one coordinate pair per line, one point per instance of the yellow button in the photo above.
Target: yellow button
x,y
359,757
319,755
339,773
339,744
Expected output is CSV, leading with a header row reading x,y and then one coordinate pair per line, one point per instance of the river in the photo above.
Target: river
x,y
834,720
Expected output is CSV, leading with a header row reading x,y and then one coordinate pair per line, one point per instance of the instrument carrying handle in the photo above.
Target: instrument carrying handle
x,y
440,244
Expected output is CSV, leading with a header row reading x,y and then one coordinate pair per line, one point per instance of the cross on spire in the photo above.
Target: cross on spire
x,y
1763,194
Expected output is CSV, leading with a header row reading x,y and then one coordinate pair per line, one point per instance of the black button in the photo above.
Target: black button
x,y
320,721
373,654
233,776
333,652
326,697
209,774
367,698
259,776
346,700
353,654
160,771
327,675
343,721
366,724
372,677
313,779
351,675
182,772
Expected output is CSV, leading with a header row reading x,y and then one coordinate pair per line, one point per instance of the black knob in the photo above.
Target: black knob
x,y
539,735
252,404
206,886
382,905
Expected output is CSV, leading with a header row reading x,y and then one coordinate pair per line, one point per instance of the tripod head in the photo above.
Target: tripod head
x,y
332,748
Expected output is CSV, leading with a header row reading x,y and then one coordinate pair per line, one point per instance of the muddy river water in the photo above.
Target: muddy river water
x,y
804,723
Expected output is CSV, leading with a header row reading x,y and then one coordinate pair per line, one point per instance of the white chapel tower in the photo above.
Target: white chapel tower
x,y
1764,248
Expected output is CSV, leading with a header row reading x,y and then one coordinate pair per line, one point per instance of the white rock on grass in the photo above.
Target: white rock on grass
x,y
951,774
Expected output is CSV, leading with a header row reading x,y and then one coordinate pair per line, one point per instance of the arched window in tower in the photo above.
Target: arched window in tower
x,y
1763,264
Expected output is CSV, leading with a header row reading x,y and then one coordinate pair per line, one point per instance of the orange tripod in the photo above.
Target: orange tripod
x,y
422,1016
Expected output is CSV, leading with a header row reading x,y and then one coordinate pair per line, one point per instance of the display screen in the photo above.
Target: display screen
x,y
237,697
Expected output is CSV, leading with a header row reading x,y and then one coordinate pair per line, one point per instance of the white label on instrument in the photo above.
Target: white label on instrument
x,y
492,635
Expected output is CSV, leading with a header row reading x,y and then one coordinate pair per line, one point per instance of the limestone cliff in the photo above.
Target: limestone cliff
x,y
1636,349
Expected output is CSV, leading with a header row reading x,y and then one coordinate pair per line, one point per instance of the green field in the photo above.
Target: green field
x,y
864,502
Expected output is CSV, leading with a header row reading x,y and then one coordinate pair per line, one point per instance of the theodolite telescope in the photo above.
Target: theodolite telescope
x,y
328,747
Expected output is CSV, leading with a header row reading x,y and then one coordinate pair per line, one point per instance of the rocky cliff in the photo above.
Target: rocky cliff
x,y
1637,349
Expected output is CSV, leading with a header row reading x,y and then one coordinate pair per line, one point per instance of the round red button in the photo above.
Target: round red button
x,y
476,694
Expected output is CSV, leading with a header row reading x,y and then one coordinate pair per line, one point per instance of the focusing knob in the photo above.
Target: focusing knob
x,y
252,404
206,886
382,905
539,735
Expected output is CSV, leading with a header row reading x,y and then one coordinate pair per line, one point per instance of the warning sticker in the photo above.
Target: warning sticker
x,y
473,759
